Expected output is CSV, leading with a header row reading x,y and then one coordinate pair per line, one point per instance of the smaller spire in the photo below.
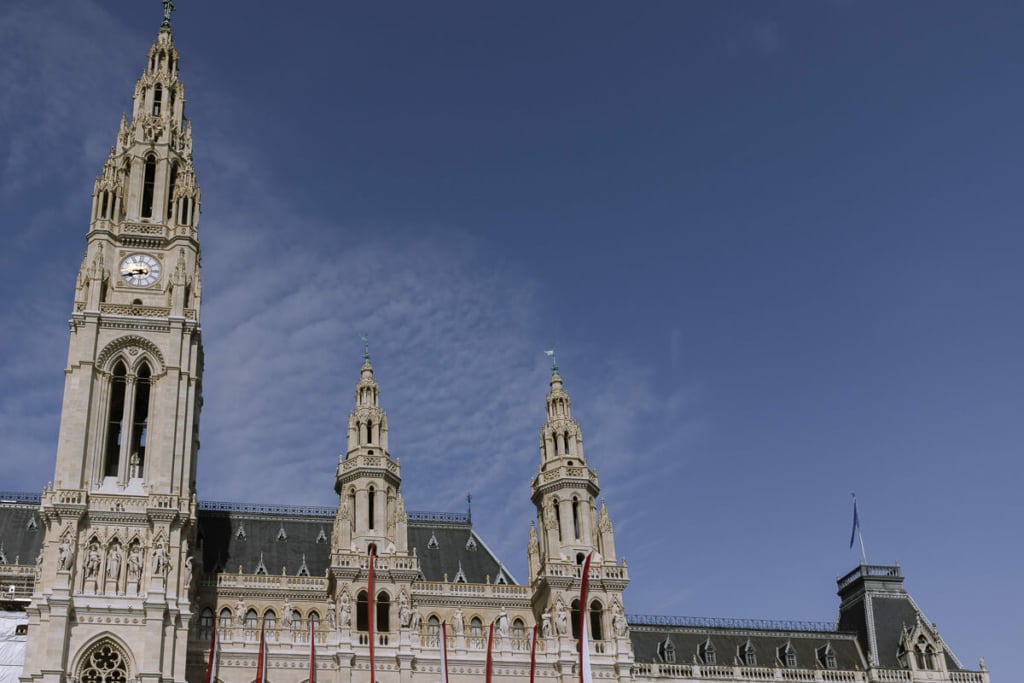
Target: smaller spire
x,y
168,8
366,349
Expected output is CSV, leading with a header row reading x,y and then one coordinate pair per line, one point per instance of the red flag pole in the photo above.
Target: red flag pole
x,y
312,653
533,653
211,669
585,676
370,611
490,642
261,658
444,652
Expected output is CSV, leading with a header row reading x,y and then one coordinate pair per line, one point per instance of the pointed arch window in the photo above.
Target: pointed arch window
x,y
362,609
205,623
518,628
383,609
140,419
224,619
370,500
574,613
105,663
115,417
171,184
576,518
314,621
924,653
158,96
270,624
148,185
596,621
251,624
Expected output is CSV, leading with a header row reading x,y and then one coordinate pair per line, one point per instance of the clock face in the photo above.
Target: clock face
x,y
140,270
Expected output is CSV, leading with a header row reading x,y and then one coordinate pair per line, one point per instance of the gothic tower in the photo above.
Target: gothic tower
x,y
570,526
112,601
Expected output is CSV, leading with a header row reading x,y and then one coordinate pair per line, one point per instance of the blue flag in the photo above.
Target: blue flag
x,y
856,523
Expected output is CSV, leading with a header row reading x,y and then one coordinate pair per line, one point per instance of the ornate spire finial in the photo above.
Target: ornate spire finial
x,y
554,362
366,348
168,8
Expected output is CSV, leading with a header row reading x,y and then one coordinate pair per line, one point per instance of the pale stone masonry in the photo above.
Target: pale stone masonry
x,y
116,573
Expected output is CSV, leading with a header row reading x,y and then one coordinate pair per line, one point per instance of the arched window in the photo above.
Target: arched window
x,y
369,431
568,450
148,184
433,630
596,620
369,507
576,518
171,183
205,623
314,621
224,619
558,517
362,606
383,609
105,663
140,417
925,654
251,624
270,624
158,96
476,633
574,612
518,628
114,419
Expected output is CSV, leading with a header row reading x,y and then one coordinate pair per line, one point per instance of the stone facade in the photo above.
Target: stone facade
x,y
132,573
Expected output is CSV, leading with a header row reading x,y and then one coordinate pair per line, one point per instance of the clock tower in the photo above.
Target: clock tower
x,y
113,598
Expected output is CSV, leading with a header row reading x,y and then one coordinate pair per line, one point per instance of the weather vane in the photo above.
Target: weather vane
x,y
554,363
366,348
168,8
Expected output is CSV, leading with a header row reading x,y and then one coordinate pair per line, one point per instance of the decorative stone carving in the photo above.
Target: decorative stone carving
x,y
160,558
114,563
134,563
344,609
92,561
415,619
619,620
501,627
561,618
404,611
545,624
458,622
240,612
66,555
332,617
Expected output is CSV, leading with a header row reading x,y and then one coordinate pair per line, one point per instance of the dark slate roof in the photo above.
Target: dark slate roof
x,y
457,546
21,531
728,642
233,539
878,591
225,547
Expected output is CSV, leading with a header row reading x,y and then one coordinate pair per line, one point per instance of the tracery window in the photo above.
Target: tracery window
x,y
224,619
205,623
104,664
925,654
383,623
251,624
362,608
270,624
596,620
114,419
518,629
476,633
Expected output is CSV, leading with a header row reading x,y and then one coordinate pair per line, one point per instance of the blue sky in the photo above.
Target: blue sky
x,y
777,246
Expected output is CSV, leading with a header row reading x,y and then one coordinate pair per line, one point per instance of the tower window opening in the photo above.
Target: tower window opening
x,y
369,431
576,518
114,419
596,619
136,302
362,609
140,420
105,198
574,612
370,499
158,94
170,187
558,518
383,610
148,183
568,450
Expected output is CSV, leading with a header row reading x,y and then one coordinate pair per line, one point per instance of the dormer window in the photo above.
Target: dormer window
x,y
924,654
706,652
432,544
747,654
787,656
667,651
826,656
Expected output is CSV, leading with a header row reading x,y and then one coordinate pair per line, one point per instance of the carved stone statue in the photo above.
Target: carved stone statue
x,y
561,618
286,614
135,466
92,561
533,551
188,571
240,612
114,563
618,620
501,626
550,519
134,562
545,624
458,622
160,558
332,617
404,613
415,619
344,610
66,556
